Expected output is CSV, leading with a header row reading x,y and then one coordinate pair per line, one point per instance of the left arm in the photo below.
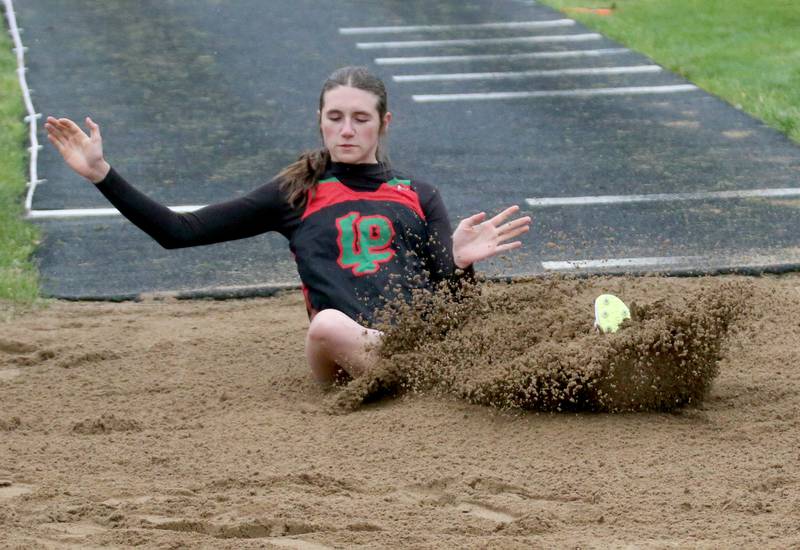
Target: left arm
x,y
439,248
452,255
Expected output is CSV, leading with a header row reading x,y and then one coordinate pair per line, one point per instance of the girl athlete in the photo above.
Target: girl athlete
x,y
361,235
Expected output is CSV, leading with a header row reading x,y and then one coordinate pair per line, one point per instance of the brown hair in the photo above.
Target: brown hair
x,y
304,173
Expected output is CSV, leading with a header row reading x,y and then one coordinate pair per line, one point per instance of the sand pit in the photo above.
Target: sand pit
x,y
195,424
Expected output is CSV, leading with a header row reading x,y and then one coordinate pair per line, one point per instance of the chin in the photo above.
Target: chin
x,y
352,158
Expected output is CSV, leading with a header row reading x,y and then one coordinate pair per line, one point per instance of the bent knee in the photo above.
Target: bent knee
x,y
325,325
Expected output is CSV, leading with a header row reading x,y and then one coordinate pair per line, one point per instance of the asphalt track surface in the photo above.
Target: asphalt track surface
x,y
203,100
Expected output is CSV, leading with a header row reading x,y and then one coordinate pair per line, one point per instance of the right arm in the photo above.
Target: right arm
x,y
262,210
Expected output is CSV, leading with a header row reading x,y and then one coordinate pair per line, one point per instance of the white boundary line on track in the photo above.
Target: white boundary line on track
x,y
32,115
71,213
473,26
627,90
510,75
738,260
664,197
618,262
479,41
422,60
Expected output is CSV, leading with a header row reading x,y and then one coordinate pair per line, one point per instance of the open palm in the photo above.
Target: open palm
x,y
83,153
475,239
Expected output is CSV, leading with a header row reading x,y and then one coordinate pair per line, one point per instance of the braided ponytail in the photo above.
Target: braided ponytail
x,y
303,174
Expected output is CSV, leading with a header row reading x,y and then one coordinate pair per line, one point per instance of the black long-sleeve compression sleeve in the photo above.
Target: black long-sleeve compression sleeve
x,y
263,209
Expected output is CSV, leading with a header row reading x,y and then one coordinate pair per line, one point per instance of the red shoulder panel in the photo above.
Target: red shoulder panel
x,y
330,192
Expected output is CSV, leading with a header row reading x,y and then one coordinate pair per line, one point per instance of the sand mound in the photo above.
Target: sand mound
x,y
535,348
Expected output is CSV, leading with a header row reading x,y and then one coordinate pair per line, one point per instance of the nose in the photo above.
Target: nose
x,y
347,128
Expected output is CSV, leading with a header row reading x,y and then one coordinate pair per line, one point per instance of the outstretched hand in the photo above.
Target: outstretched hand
x,y
475,239
83,153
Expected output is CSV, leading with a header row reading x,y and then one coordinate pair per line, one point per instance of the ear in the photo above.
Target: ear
x,y
387,118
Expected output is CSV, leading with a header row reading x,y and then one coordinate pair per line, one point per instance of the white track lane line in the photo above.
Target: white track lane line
x,y
423,60
619,262
473,26
479,41
72,213
514,75
664,197
735,260
628,90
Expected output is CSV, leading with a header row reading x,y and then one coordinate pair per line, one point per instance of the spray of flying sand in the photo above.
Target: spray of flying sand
x,y
533,347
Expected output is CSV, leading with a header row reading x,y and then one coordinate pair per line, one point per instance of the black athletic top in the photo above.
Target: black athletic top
x,y
362,238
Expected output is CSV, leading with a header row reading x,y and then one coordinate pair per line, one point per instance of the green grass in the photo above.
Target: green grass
x,y
18,276
744,51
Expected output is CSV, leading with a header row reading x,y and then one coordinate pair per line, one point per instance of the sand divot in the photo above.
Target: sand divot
x,y
494,500
485,512
75,360
256,529
34,358
9,374
15,490
10,424
107,423
137,501
488,486
15,347
76,530
298,544
449,501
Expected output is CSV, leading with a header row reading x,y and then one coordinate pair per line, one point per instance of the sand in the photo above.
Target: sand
x,y
195,424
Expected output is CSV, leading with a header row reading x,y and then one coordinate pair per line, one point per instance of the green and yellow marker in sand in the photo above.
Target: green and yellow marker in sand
x,y
610,312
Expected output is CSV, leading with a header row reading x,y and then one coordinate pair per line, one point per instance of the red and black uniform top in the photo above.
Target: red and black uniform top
x,y
363,237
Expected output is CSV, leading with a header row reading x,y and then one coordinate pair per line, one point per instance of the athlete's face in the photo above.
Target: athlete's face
x,y
351,125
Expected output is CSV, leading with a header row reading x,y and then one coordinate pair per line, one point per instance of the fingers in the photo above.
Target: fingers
x,y
514,224
508,246
68,137
59,145
94,129
58,123
70,128
64,127
54,132
51,124
513,234
473,220
502,216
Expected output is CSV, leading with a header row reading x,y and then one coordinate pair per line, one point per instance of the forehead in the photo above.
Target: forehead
x,y
349,99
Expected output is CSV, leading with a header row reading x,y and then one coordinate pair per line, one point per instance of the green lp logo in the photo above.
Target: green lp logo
x,y
364,242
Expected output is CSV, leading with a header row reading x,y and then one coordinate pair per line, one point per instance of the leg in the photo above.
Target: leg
x,y
335,341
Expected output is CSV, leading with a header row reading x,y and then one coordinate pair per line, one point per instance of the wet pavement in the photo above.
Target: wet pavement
x,y
202,100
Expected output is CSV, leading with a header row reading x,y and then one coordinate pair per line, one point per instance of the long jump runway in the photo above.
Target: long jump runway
x,y
624,166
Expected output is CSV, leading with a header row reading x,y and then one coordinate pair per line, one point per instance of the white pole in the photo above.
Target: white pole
x,y
32,115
